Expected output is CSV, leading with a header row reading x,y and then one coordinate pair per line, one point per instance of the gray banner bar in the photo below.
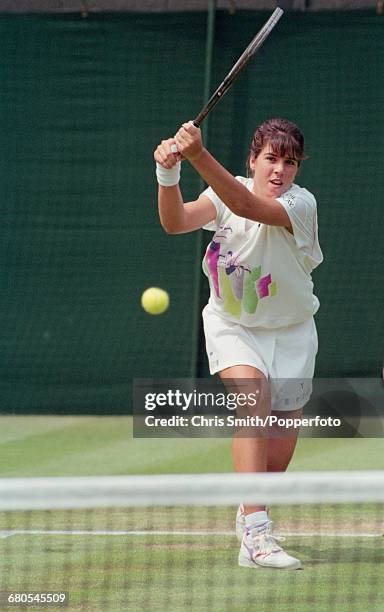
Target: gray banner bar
x,y
331,408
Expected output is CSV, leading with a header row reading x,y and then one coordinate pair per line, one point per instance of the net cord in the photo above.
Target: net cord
x,y
191,489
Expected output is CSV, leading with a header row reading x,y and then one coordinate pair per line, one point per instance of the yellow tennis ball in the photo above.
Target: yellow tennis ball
x,y
155,300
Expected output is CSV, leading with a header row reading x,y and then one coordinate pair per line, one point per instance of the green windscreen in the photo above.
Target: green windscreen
x,y
84,102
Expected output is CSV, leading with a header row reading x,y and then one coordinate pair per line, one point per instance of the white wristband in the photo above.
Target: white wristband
x,y
168,178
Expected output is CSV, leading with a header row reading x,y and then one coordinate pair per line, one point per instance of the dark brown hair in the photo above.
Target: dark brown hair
x,y
285,138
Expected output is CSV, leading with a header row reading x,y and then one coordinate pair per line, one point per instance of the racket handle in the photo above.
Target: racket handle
x,y
202,115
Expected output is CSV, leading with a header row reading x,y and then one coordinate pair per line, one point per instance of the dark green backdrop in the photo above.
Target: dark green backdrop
x,y
83,104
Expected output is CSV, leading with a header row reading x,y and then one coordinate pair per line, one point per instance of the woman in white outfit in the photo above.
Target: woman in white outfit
x,y
258,323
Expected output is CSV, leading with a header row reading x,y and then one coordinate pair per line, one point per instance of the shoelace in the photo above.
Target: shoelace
x,y
265,542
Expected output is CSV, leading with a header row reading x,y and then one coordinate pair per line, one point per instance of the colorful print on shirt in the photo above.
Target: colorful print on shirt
x,y
239,286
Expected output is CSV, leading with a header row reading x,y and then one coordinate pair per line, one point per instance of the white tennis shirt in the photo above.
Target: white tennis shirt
x,y
260,275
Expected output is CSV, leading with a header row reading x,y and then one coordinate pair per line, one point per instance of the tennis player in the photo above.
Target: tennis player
x,y
258,323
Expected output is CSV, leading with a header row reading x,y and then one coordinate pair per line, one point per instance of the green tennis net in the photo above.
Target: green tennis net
x,y
169,543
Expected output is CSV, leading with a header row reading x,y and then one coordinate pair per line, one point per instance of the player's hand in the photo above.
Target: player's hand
x,y
189,142
166,154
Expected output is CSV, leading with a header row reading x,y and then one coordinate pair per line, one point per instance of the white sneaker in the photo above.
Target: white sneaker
x,y
260,549
240,523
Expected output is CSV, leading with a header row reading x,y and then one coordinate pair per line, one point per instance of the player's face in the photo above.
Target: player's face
x,y
273,175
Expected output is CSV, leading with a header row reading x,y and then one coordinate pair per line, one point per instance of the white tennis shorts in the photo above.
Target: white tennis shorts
x,y
280,354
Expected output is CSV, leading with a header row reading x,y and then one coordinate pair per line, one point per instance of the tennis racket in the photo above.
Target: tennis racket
x,y
232,75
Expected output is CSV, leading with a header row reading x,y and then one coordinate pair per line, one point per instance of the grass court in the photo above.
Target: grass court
x,y
180,558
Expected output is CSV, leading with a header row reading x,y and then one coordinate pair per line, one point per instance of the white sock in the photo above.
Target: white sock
x,y
256,520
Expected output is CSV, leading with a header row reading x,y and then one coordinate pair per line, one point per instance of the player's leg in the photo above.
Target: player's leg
x,y
259,547
249,453
262,454
291,371
281,449
279,454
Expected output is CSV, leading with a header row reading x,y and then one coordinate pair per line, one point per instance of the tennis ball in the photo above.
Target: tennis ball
x,y
155,300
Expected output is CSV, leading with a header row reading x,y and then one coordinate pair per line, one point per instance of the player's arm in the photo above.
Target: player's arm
x,y
177,217
236,196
